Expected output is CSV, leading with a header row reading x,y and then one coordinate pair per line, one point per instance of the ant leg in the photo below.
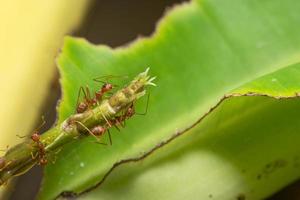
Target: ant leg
x,y
101,143
110,141
88,130
90,100
91,133
79,94
32,156
42,124
119,120
88,93
106,120
55,155
116,124
146,110
96,80
123,119
81,89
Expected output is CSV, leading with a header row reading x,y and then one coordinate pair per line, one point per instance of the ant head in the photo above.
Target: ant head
x,y
82,106
2,163
107,87
98,130
43,161
35,137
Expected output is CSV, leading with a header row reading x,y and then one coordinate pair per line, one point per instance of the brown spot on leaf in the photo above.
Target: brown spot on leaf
x,y
271,167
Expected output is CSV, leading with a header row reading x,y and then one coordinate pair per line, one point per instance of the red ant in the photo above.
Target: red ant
x,y
35,137
130,111
96,131
100,130
88,100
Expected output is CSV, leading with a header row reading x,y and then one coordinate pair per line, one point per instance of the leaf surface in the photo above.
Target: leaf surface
x,y
200,52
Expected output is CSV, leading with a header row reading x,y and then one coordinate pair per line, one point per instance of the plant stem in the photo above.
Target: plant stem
x,y
22,157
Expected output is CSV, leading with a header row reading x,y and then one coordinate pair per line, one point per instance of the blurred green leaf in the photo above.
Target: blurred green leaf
x,y
200,52
248,147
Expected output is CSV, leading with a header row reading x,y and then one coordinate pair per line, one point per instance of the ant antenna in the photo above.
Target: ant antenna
x,y
42,124
36,130
106,78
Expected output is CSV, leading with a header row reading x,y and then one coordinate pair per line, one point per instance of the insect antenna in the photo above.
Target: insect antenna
x,y
104,79
107,77
36,130
42,124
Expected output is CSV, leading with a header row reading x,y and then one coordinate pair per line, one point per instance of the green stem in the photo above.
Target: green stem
x,y
22,157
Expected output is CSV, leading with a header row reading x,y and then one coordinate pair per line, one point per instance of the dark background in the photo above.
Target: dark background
x,y
113,23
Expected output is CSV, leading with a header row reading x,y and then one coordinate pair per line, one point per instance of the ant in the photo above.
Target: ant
x,y
35,137
130,111
88,100
96,131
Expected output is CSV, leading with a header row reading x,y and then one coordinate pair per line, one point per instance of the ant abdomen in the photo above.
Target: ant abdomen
x,y
81,107
98,130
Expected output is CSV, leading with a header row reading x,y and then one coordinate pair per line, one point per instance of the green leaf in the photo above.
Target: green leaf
x,y
247,148
200,52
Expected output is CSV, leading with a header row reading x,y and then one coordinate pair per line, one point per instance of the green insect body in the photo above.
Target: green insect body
x,y
19,159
